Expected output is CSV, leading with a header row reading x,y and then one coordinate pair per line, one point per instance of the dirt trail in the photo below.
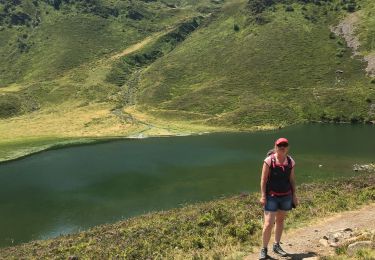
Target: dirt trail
x,y
140,44
303,243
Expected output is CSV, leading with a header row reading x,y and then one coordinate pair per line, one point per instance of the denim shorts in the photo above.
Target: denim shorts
x,y
274,203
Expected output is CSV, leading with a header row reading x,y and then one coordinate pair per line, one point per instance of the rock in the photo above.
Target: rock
x,y
333,244
352,248
324,242
336,238
364,167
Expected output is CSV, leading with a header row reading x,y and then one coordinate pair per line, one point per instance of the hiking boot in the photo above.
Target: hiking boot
x,y
278,250
263,254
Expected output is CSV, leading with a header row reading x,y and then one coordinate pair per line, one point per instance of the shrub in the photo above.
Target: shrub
x,y
332,35
55,3
135,15
10,105
19,18
340,52
236,27
289,8
261,19
351,7
243,232
206,220
355,119
367,194
258,6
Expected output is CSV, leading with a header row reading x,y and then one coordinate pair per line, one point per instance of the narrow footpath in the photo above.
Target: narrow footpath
x,y
309,242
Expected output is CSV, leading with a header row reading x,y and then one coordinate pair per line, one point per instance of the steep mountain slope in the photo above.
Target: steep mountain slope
x,y
280,67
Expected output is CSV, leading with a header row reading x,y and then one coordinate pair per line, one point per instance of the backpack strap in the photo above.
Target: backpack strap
x,y
271,166
273,161
289,161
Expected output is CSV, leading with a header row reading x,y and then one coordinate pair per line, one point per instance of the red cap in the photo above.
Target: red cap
x,y
281,140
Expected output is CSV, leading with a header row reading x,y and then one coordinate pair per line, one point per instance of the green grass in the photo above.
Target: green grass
x,y
224,227
366,30
360,254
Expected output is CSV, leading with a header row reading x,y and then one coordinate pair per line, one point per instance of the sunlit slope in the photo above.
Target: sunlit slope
x,y
55,62
282,68
50,55
39,42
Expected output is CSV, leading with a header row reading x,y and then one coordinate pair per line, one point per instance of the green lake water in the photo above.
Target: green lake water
x,y
74,188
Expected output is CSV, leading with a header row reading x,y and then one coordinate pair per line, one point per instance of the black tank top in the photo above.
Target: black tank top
x,y
278,183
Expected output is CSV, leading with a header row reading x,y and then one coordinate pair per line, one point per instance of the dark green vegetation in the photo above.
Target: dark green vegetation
x,y
226,226
123,69
259,6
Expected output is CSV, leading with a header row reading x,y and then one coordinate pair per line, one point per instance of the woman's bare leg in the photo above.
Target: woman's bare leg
x,y
269,221
280,217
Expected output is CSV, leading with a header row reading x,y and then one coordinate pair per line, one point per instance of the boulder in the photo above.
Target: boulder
x,y
364,167
353,248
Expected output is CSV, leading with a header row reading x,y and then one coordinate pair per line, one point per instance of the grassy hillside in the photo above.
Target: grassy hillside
x,y
49,40
366,28
74,69
279,67
56,61
227,227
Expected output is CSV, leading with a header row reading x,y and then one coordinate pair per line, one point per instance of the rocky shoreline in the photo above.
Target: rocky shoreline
x,y
364,167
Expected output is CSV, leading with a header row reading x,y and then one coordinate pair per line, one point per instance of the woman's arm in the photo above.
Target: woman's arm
x,y
263,182
293,184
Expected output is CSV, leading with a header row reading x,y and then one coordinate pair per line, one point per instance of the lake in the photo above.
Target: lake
x,y
74,188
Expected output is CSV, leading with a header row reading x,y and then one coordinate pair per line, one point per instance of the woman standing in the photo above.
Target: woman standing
x,y
278,191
